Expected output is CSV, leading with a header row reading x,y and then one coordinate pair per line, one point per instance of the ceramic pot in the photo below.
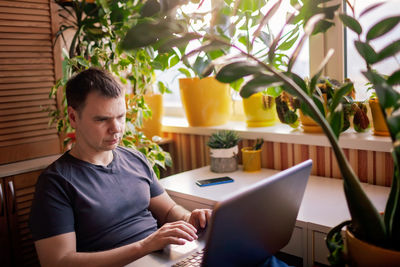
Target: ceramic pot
x,y
260,110
153,126
309,125
360,253
207,102
251,159
380,127
224,159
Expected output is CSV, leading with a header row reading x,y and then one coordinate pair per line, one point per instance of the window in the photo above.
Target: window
x,y
171,76
354,63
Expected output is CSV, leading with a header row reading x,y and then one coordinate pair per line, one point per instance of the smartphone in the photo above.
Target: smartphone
x,y
214,181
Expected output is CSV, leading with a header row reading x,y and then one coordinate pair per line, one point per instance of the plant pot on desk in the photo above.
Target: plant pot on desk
x,y
251,159
224,159
207,102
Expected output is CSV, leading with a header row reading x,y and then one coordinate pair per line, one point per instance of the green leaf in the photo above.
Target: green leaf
x,y
274,91
185,72
236,85
390,50
234,71
286,45
259,84
366,51
149,32
382,27
200,65
150,8
319,102
394,79
339,94
335,120
387,96
298,81
351,23
393,122
178,42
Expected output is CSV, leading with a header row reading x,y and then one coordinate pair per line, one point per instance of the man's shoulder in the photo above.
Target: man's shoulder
x,y
127,151
59,168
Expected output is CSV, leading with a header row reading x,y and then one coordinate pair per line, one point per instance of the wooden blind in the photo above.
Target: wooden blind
x,y
29,66
19,206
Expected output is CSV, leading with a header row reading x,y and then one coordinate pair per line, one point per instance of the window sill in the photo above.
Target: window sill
x,y
284,134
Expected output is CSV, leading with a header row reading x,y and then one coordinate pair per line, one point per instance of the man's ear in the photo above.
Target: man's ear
x,y
72,115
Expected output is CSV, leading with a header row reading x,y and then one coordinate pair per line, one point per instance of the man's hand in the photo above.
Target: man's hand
x,y
170,233
199,218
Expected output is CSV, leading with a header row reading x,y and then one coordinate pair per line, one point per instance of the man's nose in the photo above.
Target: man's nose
x,y
116,126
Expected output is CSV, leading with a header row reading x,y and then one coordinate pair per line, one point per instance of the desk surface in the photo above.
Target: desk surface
x,y
323,204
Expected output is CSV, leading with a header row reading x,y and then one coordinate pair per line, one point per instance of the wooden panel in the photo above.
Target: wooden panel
x,y
25,85
25,43
27,72
25,29
19,4
5,241
32,91
26,61
25,48
14,23
19,207
25,104
26,11
24,122
28,17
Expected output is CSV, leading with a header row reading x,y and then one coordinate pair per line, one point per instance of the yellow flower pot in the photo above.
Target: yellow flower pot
x,y
380,127
309,125
153,126
260,111
360,253
251,159
206,101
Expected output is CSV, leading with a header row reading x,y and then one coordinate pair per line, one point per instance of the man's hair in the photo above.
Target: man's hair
x,y
91,80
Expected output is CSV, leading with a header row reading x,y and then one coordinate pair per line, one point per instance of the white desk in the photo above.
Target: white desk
x,y
323,206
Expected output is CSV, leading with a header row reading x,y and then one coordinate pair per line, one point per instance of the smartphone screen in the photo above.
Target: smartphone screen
x,y
214,181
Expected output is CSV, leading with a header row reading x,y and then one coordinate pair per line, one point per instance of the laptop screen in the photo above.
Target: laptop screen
x,y
256,222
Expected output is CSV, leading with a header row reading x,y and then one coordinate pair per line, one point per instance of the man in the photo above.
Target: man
x,y
99,204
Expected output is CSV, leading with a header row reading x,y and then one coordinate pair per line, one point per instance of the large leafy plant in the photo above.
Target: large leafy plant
x,y
97,29
366,223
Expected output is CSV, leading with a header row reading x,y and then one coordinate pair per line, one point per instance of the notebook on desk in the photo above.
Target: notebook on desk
x,y
248,226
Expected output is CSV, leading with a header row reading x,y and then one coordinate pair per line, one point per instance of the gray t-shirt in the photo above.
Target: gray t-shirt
x,y
107,207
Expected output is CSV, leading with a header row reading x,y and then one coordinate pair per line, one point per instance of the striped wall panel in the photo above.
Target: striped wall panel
x,y
191,152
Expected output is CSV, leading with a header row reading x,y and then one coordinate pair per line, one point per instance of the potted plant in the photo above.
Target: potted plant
x,y
251,156
224,151
366,224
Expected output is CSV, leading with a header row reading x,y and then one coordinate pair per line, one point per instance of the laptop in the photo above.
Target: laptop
x,y
247,226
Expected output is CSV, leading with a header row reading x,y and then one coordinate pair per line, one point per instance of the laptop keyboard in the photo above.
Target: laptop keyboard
x,y
192,260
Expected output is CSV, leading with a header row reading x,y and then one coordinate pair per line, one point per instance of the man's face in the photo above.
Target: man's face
x,y
100,125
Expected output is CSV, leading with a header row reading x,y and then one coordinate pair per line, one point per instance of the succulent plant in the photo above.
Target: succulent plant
x,y
223,139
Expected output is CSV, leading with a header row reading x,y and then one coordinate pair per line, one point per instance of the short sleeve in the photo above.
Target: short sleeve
x,y
51,212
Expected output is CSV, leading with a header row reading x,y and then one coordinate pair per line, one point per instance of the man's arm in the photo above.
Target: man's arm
x,y
165,210
60,250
